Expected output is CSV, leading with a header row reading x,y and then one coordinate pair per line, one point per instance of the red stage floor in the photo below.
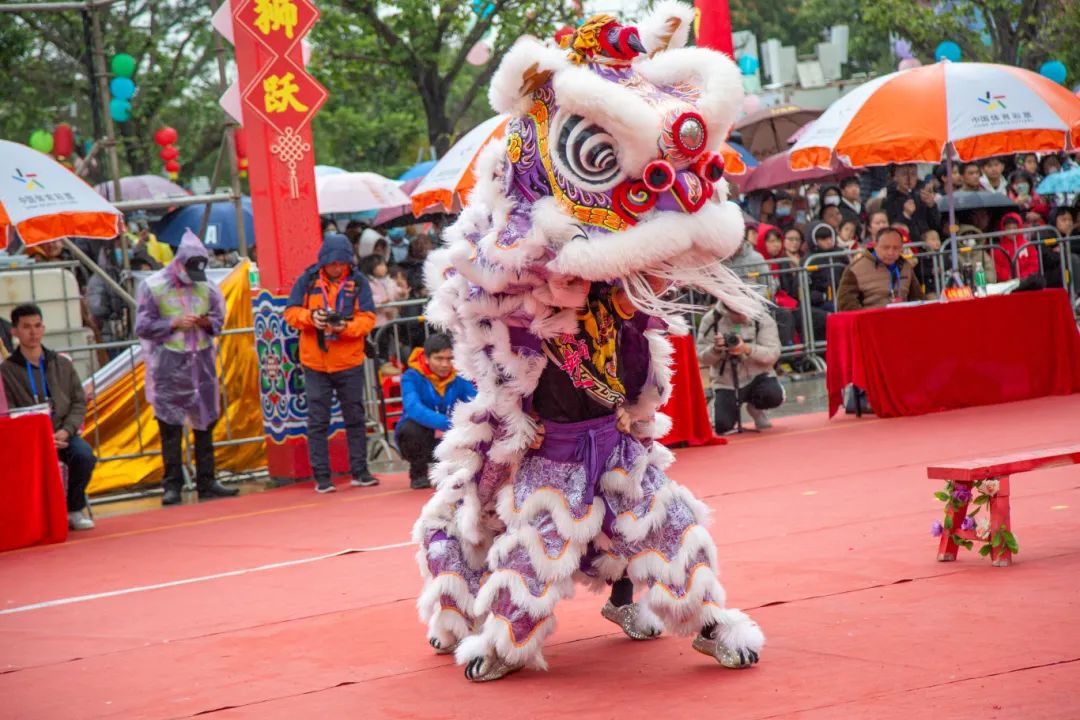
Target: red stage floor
x,y
241,609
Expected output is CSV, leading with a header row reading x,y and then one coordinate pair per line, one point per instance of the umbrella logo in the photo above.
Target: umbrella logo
x,y
993,102
29,180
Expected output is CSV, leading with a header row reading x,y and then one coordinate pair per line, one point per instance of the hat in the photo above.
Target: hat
x,y
195,267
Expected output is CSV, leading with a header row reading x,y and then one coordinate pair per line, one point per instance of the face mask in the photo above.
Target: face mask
x,y
813,199
1022,188
783,211
832,200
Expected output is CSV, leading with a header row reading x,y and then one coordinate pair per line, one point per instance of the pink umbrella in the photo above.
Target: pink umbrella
x,y
393,213
775,172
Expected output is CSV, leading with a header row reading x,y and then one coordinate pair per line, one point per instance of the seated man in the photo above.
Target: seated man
x,y
878,276
36,376
747,363
429,390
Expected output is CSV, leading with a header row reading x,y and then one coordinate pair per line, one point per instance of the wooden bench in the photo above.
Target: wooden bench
x,y
965,474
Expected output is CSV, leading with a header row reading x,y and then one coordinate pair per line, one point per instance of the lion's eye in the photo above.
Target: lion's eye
x,y
586,153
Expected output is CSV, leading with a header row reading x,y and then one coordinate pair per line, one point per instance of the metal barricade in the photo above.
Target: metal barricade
x,y
397,334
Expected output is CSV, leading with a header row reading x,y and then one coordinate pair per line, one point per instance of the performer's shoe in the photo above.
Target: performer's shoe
x,y
171,496
489,667
626,617
729,658
441,649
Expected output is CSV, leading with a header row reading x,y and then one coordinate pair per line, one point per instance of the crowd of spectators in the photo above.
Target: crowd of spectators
x,y
847,220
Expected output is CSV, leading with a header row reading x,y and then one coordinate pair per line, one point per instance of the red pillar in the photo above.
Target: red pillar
x,y
714,25
279,99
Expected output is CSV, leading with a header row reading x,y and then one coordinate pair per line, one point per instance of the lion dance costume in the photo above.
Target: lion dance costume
x,y
554,284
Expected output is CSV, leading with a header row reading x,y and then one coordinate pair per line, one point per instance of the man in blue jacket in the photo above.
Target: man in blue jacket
x,y
429,390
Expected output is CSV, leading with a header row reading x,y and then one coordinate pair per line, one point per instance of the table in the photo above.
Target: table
x,y
33,506
686,407
939,356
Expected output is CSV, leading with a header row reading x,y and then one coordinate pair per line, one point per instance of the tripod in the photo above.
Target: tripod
x,y
735,360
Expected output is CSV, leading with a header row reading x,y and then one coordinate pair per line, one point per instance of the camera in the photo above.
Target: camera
x,y
334,318
731,340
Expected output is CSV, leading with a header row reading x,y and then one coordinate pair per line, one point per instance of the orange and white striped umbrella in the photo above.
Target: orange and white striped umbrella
x,y
42,201
910,116
446,187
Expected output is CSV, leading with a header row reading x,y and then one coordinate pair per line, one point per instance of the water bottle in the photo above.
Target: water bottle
x,y
253,275
980,280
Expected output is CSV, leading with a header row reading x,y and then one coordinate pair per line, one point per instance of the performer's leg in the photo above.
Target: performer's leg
x,y
660,530
549,524
452,573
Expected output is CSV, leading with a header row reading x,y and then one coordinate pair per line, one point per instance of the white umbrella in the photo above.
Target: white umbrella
x,y
357,192
446,185
44,201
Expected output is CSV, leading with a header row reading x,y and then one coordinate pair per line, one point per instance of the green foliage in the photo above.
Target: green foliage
x,y
1021,32
44,78
398,77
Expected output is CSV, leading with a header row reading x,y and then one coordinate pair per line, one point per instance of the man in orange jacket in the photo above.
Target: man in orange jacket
x,y
331,306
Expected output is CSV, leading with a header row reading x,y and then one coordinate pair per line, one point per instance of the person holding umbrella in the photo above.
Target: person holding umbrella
x,y
179,314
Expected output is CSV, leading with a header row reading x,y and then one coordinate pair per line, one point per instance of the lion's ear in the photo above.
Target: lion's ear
x,y
526,68
667,27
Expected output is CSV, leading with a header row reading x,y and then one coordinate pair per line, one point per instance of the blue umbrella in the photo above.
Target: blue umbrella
x,y
220,229
1066,181
417,170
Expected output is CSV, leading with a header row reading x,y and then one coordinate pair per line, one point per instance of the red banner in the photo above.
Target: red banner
x,y
713,26
279,98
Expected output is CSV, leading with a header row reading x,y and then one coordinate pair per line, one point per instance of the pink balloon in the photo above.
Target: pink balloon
x,y
479,54
908,63
751,104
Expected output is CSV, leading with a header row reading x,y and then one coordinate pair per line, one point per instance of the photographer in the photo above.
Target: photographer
x,y
740,354
332,307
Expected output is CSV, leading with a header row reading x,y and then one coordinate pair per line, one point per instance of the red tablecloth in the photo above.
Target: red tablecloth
x,y
687,408
937,356
33,508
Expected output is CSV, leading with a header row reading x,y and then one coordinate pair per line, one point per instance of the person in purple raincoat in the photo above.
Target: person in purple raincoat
x,y
179,314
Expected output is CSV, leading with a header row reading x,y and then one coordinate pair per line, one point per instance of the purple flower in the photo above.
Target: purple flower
x,y
962,494
936,528
968,524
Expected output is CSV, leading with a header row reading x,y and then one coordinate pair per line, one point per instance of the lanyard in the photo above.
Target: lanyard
x,y
340,304
44,382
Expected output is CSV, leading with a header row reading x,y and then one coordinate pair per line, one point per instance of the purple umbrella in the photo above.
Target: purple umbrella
x,y
143,187
775,172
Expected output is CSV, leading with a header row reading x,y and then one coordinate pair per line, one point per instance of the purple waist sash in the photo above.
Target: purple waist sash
x,y
589,442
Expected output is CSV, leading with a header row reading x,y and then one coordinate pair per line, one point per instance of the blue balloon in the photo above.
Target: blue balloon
x,y
120,110
947,50
122,88
1054,70
483,9
748,64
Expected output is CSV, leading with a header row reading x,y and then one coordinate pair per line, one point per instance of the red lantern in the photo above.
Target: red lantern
x,y
240,138
63,141
165,136
168,153
172,166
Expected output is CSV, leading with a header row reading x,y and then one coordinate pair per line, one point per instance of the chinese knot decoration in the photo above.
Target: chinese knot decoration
x,y
282,92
